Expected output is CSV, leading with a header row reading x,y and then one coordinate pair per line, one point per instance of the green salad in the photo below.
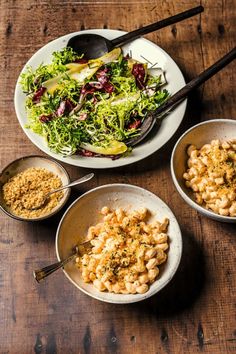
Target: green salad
x,y
90,107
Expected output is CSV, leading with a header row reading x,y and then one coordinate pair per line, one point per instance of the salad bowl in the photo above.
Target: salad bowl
x,y
141,50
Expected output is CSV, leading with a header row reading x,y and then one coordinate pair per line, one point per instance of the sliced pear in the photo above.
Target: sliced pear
x,y
131,63
93,65
81,72
123,99
75,66
87,72
51,84
110,56
115,148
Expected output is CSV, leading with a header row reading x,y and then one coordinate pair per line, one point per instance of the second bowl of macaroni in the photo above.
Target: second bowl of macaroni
x,y
136,243
203,168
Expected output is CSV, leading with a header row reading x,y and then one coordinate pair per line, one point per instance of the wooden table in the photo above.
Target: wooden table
x,y
196,311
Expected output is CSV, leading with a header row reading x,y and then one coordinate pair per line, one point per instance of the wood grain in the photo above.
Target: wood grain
x,y
196,312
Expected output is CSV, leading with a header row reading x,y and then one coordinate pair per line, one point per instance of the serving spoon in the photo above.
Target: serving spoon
x,y
93,46
45,197
157,115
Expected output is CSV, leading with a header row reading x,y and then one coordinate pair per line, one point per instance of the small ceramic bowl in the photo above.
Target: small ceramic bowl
x,y
198,135
24,163
84,212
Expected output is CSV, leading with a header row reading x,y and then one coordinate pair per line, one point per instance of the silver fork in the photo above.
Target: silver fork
x,y
80,249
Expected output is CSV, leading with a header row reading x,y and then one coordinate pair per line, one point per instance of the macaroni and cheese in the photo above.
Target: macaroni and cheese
x,y
211,175
126,251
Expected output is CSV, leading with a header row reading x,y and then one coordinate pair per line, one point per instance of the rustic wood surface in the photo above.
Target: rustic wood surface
x,y
196,311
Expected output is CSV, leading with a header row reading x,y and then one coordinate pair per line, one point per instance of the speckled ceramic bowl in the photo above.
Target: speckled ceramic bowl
x,y
198,135
84,213
24,163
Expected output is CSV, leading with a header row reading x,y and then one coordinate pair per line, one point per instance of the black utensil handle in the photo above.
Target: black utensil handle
x,y
200,79
157,25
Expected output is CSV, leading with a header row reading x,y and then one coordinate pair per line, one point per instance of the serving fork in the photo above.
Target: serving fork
x,y
78,250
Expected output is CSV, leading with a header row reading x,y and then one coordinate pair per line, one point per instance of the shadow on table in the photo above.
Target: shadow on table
x,y
186,286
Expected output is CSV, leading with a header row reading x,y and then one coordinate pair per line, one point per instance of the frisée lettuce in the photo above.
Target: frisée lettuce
x,y
90,107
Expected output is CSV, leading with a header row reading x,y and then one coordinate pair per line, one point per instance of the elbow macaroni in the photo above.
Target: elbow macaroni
x,y
126,252
212,176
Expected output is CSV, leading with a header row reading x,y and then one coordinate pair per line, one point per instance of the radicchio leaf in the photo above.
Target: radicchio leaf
x,y
86,153
108,87
61,109
139,73
135,125
45,118
87,88
38,94
103,77
65,107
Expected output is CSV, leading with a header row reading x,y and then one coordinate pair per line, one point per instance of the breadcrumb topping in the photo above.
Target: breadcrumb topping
x,y
27,190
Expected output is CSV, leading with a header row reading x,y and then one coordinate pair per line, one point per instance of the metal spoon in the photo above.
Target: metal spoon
x,y
94,46
74,183
42,273
157,115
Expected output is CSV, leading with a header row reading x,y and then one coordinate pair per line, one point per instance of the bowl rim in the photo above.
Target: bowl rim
x,y
187,199
141,296
47,215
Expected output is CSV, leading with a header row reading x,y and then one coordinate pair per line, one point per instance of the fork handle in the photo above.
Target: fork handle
x,y
40,274
197,81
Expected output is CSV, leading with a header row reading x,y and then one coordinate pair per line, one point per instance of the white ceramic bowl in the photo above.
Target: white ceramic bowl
x,y
22,164
142,50
84,213
198,135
